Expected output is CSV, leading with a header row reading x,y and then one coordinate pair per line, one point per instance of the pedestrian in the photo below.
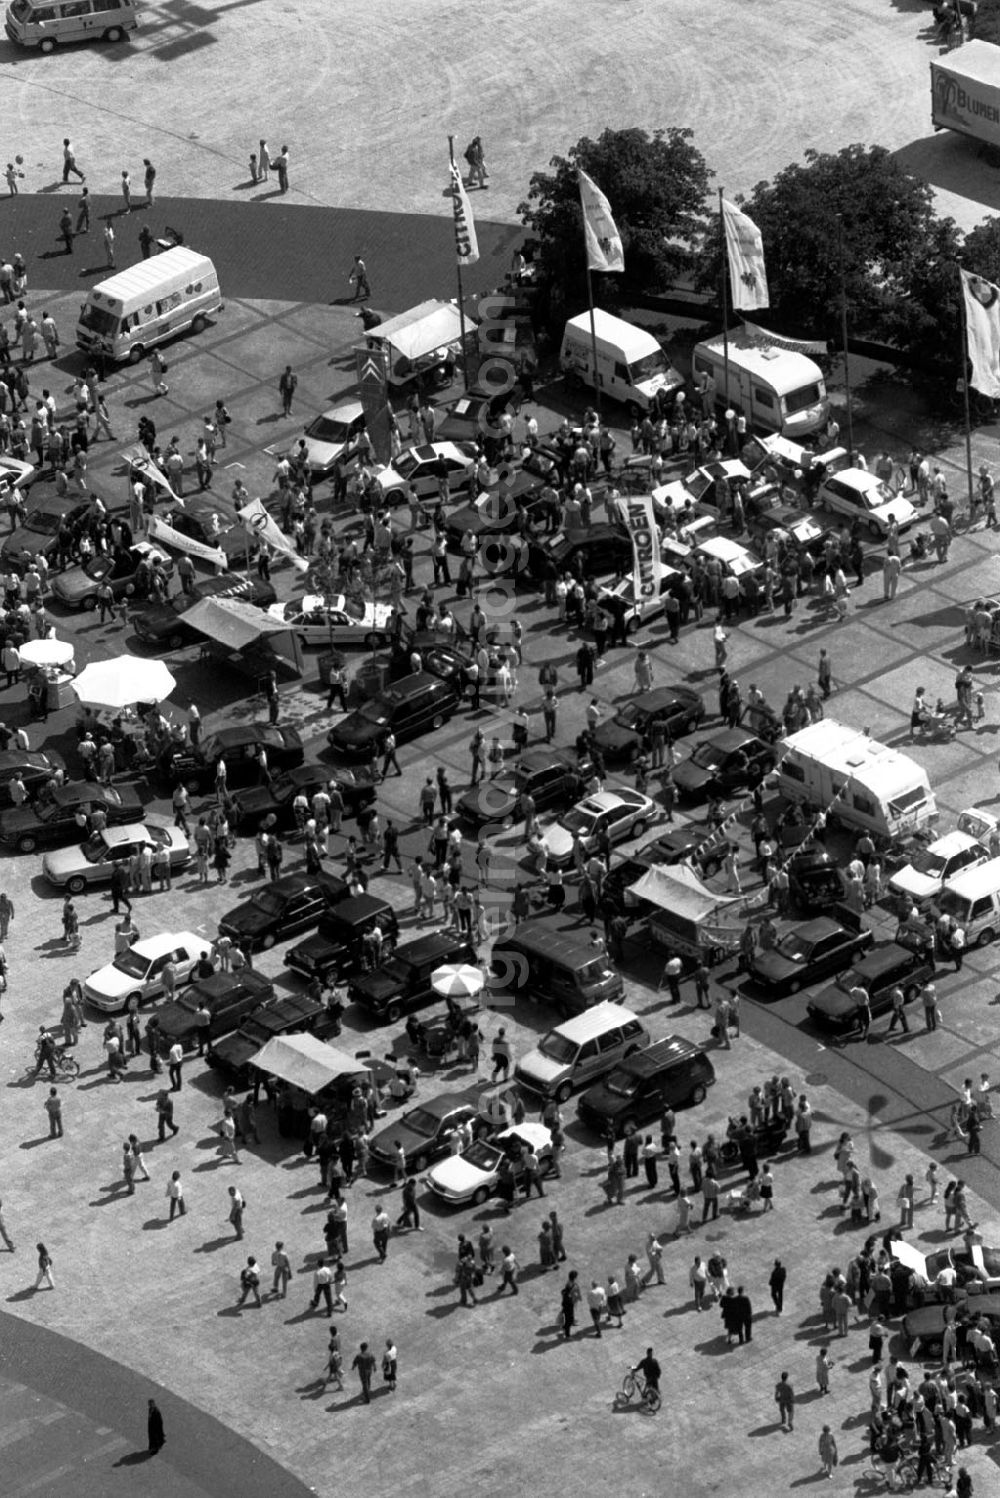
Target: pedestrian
x,y
237,1206
334,1359
157,369
250,1281
8,1241
175,1061
597,1302
649,1154
364,1362
53,1107
928,997
109,247
138,1159
69,162
287,385
570,1298
154,1428
828,1451
784,1397
148,180
508,1271
380,1233
698,1280
502,1054
44,1267
358,278
390,1365
776,1284
281,167
654,1253
823,1366
127,192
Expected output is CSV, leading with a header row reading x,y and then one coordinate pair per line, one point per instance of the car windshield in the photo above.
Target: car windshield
x,y
269,902
928,863
697,483
621,1083
557,1048
98,320
131,964
645,368
481,1156
328,429
406,463
877,496
806,395
45,522
94,848
707,757
851,979
422,1122
580,820
794,947
630,716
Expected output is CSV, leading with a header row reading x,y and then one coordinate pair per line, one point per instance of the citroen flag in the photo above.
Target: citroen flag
x,y
647,568
262,525
373,383
604,243
747,275
466,243
162,530
982,331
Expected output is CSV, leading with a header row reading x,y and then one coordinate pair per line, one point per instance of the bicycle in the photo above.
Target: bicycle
x,y
635,1386
67,1067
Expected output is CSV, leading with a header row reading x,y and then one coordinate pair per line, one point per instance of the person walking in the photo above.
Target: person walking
x,y
928,997
380,1233
155,1436
364,1362
390,1365
249,1282
236,1210
6,915
358,278
44,1268
69,162
776,1284
148,180
828,1456
569,1298
597,1303
109,247
698,1280
157,369
175,1195
287,386
8,1241
175,1061
784,1397
322,1280
53,1107
654,1253
508,1271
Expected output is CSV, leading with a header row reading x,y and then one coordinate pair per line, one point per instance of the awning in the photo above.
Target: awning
x,y
306,1063
232,621
678,889
421,330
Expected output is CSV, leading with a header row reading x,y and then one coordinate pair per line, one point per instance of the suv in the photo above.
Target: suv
x,y
229,997
729,761
894,964
336,948
404,982
407,708
298,1012
665,1075
164,623
554,778
423,1131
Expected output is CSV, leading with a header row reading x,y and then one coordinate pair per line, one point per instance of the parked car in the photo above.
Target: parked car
x,y
669,1074
815,880
890,965
621,814
233,1052
976,1266
336,949
554,778
862,495
472,1176
282,908
255,804
32,766
639,611
164,624
230,998
452,663
403,984
75,869
810,951
728,762
696,491
495,512
423,1131
417,467
702,846
50,822
332,437
623,737
39,534
924,876
214,522
773,514
471,418
598,550
138,973
407,708
14,474
77,587
342,621
196,766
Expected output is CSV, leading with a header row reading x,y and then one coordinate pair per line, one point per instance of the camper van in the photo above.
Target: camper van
x,y
863,784
31,23
776,389
631,365
147,304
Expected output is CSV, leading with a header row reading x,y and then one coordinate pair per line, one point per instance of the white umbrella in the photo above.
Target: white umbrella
x,y
123,682
46,652
458,980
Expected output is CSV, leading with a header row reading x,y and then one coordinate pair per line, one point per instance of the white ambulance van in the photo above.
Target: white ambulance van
x,y
149,303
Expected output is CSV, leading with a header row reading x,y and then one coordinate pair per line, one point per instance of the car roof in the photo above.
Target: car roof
x,y
543,759
346,411
953,842
671,1048
731,738
290,884
114,837
885,958
446,1102
165,941
813,930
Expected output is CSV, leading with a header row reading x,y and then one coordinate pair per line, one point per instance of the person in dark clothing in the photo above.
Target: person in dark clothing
x,y
731,1315
154,1428
776,1284
744,1316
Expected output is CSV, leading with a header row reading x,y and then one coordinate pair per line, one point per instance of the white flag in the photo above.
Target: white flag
x,y
162,530
466,243
982,326
647,567
747,275
604,243
262,525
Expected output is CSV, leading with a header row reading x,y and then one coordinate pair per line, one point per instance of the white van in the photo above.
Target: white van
x,y
631,365
775,388
31,23
581,1049
972,899
149,303
866,785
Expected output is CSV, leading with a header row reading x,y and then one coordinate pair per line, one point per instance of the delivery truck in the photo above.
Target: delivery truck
x,y
965,92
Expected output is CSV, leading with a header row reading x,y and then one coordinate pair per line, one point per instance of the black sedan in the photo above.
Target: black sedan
x,y
451,663
809,952
554,778
240,748
33,767
255,805
730,761
888,966
53,822
39,535
697,843
625,735
597,550
165,624
289,905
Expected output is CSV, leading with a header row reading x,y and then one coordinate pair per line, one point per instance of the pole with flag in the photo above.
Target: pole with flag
x,y
604,253
980,303
466,243
743,252
730,436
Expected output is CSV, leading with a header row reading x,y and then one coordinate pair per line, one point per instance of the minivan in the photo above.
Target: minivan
x,y
665,1075
972,899
31,24
555,965
147,304
407,709
581,1049
631,366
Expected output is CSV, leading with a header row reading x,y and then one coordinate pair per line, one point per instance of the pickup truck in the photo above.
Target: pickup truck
x,y
229,997
299,1012
336,948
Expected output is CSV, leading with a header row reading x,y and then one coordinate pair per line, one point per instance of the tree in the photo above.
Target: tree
x,y
657,187
985,24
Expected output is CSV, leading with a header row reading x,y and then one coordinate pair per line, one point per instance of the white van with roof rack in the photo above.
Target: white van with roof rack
x,y
147,304
776,388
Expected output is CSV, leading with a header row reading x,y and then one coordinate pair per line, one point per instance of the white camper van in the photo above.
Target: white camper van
x,y
777,389
631,365
149,303
865,784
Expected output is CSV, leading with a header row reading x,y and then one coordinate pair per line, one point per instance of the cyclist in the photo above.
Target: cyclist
x,y
651,1371
890,1453
46,1052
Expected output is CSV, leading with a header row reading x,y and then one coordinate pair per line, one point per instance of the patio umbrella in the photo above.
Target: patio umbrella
x,y
123,682
46,652
458,980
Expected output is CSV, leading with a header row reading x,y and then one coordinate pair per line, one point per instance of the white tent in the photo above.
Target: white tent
x,y
427,327
306,1063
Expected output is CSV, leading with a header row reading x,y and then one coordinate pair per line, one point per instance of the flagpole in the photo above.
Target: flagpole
x,y
461,294
725,312
593,344
965,382
843,338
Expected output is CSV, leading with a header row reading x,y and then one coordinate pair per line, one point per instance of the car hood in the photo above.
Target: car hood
x,y
157,621
772,967
614,738
377,986
900,509
487,802
355,730
248,918
254,798
559,842
691,777
908,881
833,1003
18,819
61,862
73,584
456,1177
111,983
383,1144
175,1019
322,453
26,539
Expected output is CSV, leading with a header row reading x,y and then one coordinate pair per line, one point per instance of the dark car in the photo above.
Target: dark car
x,y
257,803
46,824
34,768
336,948
669,1074
39,535
230,998
697,843
294,1014
596,551
471,418
423,1131
923,1326
282,908
403,984
164,623
497,510
890,965
451,663
624,736
197,518
553,777
815,880
617,883
407,708
196,767
730,761
770,512
810,951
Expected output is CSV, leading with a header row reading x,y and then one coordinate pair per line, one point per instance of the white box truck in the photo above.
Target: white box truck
x,y
148,303
631,366
866,785
776,388
965,91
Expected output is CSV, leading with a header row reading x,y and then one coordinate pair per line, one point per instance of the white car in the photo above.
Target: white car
x,y
698,487
641,610
344,622
138,973
332,435
419,466
472,1176
74,869
856,493
736,560
621,814
922,878
14,474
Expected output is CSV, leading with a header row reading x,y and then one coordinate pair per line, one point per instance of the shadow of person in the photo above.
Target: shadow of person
x,y
134,1459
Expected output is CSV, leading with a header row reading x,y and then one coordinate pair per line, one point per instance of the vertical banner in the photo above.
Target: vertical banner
x,y
982,332
466,243
373,385
647,567
745,249
604,243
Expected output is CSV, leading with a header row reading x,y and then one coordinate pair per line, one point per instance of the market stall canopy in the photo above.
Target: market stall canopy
x,y
458,980
123,682
46,652
678,889
420,331
306,1063
232,621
